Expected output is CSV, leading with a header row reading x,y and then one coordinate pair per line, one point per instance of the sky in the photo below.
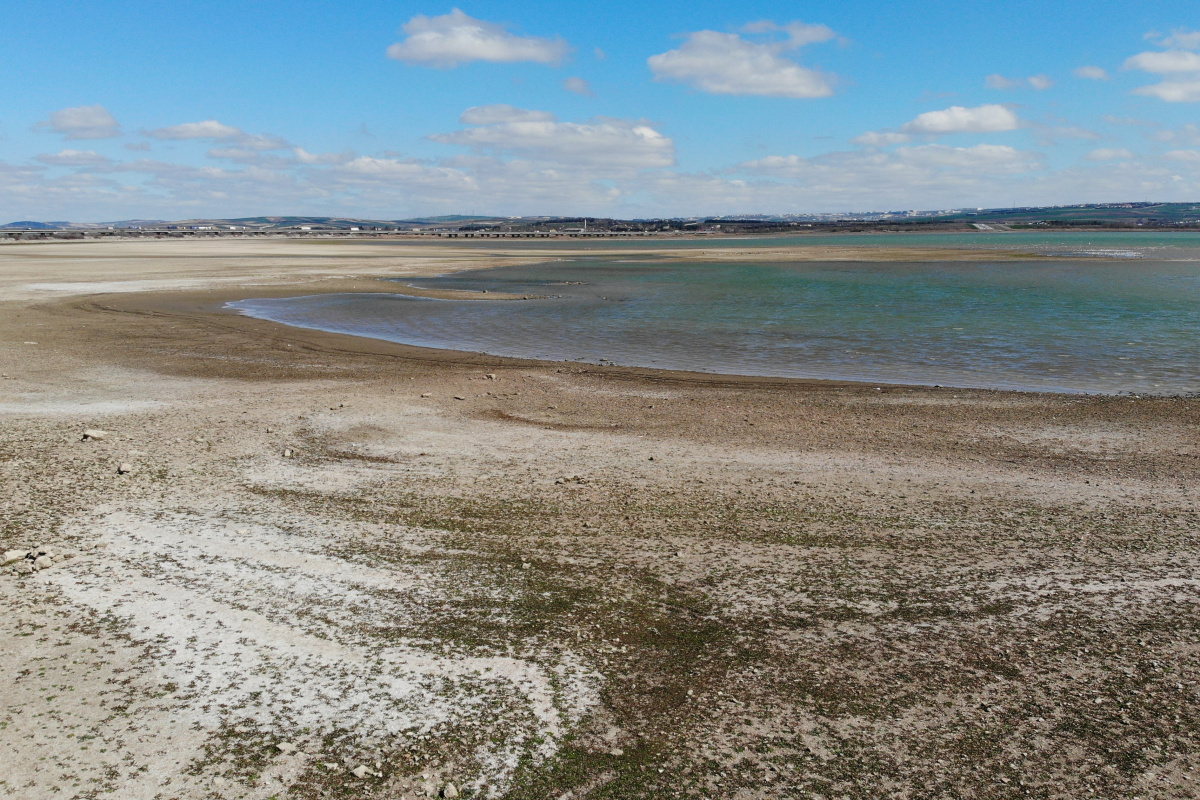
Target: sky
x,y
392,110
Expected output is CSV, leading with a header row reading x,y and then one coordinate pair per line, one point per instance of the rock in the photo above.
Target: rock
x,y
125,468
617,753
287,748
43,562
450,791
288,452
491,376
359,771
24,567
426,394
11,556
459,397
95,433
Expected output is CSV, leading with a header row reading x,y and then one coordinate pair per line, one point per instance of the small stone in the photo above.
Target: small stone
x,y
24,567
125,468
270,430
450,791
359,771
426,394
11,556
459,397
287,452
617,753
95,433
287,748
491,376
43,562
526,565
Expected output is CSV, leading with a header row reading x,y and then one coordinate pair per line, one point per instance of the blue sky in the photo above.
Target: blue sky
x,y
116,110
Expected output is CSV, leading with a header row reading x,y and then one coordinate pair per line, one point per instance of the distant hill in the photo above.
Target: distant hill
x,y
37,226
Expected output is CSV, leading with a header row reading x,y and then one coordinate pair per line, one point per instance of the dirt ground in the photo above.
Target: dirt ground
x,y
310,566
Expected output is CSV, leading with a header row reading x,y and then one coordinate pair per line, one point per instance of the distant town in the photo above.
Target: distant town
x,y
1088,216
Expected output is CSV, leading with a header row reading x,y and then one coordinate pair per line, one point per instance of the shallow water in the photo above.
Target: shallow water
x,y
1072,324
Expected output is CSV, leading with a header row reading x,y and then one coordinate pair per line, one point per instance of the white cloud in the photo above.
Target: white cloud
x,y
957,119
213,130
501,113
208,129
578,86
82,122
1189,134
902,164
881,138
726,63
1166,61
1180,38
1109,154
603,144
1190,156
455,38
1091,73
1173,91
1039,82
75,158
1183,67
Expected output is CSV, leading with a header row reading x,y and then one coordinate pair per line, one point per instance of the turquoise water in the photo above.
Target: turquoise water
x,y
1126,324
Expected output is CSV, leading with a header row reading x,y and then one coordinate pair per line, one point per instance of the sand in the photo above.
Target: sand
x,y
534,580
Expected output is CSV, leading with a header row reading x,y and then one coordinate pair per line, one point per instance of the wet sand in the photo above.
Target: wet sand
x,y
554,580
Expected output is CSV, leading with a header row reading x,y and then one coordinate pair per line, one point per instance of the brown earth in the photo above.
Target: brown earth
x,y
545,580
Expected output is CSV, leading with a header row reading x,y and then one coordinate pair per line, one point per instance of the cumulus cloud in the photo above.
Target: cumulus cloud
x,y
1179,63
601,144
1173,91
1039,82
578,86
501,113
75,158
726,63
881,138
1189,134
1091,73
82,122
455,38
1109,154
957,119
1166,61
1180,38
212,130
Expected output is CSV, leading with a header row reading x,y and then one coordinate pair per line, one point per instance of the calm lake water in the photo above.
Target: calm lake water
x,y
1128,322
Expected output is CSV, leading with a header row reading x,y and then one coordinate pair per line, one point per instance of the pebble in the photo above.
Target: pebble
x,y
359,771
125,468
450,791
95,433
459,397
288,453
287,748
